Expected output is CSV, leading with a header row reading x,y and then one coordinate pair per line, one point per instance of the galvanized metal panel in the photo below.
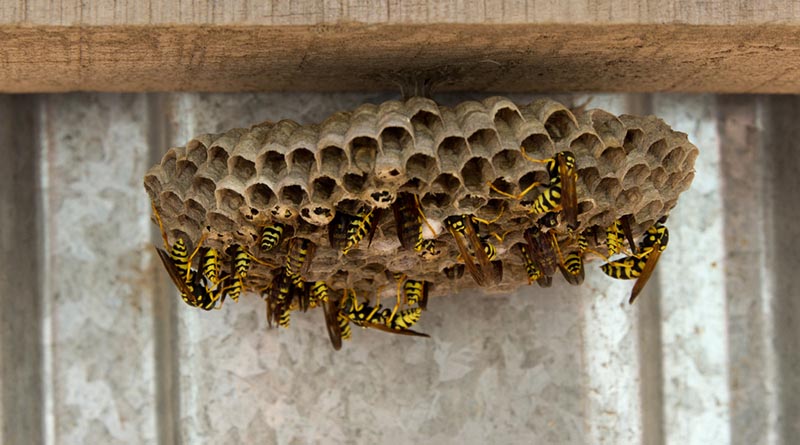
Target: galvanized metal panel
x,y
708,354
98,317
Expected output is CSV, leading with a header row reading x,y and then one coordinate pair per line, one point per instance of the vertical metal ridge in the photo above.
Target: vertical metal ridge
x,y
781,135
694,323
743,169
651,364
165,333
21,345
648,318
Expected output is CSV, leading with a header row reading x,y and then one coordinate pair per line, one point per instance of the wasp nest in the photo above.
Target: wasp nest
x,y
230,186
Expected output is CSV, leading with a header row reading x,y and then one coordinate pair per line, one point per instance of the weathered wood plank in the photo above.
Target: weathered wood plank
x,y
306,12
356,56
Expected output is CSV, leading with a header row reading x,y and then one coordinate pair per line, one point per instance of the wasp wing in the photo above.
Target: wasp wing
x,y
486,268
569,195
385,328
176,276
407,224
542,252
625,222
466,256
331,309
647,272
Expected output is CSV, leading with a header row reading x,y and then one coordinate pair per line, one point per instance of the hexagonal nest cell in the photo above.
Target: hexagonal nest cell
x,y
412,166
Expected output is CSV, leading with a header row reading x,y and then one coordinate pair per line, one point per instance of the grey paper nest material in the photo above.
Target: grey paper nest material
x,y
233,184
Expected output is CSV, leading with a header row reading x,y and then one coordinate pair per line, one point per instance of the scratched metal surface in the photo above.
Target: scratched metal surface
x,y
95,346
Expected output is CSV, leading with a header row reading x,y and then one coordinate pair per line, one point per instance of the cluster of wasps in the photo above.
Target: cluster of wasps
x,y
208,286
544,250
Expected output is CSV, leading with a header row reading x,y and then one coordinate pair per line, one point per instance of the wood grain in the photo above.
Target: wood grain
x,y
419,12
483,57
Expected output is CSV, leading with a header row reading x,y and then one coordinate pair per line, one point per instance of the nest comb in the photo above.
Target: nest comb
x,y
231,185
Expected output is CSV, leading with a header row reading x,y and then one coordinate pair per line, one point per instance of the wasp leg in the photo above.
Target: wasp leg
x,y
259,260
160,226
194,252
518,196
527,156
400,298
422,215
605,258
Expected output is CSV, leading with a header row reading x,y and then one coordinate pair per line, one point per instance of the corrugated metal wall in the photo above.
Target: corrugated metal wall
x,y
97,348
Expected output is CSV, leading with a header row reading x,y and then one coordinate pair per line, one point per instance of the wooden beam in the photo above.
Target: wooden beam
x,y
487,46
363,57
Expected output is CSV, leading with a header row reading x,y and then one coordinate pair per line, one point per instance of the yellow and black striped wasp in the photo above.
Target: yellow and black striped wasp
x,y
409,218
279,296
532,268
560,193
271,236
472,247
298,258
240,265
178,263
642,264
377,317
542,248
416,293
571,265
615,233
318,293
346,231
412,292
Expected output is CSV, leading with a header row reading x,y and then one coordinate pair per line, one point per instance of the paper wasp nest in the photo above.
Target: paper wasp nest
x,y
231,185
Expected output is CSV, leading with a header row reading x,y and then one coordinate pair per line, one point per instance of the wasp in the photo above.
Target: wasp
x,y
560,193
271,236
298,259
178,263
404,319
532,269
542,249
281,293
640,265
318,293
409,218
376,317
344,326
463,229
615,233
240,265
571,266
278,296
346,231
416,293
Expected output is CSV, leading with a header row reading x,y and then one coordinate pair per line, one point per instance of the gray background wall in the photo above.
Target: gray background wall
x,y
95,346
